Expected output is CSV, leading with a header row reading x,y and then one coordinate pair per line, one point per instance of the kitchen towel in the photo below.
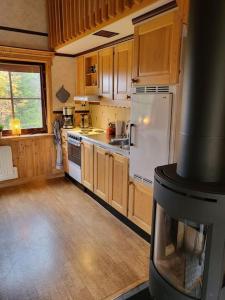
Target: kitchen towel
x,y
58,142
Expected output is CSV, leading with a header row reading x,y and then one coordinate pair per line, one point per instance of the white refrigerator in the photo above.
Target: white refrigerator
x,y
149,134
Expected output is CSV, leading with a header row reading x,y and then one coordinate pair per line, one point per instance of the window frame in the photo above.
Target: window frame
x,y
44,128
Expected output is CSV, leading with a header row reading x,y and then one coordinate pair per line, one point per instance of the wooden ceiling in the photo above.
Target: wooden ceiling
x,y
72,19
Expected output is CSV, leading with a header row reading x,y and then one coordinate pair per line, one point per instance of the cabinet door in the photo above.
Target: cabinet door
x,y
184,9
140,205
65,158
122,70
79,76
87,165
101,172
157,50
106,73
118,182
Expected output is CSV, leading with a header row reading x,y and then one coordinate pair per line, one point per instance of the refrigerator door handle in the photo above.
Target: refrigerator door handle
x,y
132,142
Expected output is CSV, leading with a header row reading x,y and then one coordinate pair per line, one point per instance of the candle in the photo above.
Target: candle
x,y
15,126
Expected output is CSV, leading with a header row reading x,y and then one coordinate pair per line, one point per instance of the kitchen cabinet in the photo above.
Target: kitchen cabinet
x,y
106,73
65,151
91,74
184,9
140,205
101,172
118,182
123,54
80,76
157,50
87,165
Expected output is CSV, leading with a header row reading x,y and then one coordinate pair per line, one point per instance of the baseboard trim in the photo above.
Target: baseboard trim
x,y
114,212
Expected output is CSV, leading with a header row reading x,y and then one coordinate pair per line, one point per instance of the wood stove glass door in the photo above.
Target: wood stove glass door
x,y
179,252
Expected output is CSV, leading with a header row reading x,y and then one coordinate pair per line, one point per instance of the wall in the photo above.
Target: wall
x,y
27,15
63,73
101,115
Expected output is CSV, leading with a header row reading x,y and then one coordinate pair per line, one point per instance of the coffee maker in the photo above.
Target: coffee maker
x,y
67,117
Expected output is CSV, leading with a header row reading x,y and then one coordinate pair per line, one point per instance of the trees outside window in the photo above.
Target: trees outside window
x,y
22,96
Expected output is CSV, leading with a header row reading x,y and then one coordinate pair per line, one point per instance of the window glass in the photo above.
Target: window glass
x,y
21,96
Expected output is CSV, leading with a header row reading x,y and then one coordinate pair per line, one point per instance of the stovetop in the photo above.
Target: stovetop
x,y
87,131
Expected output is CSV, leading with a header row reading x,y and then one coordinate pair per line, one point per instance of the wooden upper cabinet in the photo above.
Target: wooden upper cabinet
x,y
157,50
101,173
79,61
123,70
87,165
140,205
106,73
118,182
184,9
91,66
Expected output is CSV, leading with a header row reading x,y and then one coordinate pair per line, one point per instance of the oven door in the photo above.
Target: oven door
x,y
74,159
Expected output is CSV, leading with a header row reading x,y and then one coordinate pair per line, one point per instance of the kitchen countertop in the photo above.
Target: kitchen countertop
x,y
100,140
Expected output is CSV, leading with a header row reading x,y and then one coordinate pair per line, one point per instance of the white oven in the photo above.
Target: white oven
x,y
74,156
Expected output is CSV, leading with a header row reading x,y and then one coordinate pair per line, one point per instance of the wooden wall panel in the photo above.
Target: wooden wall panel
x,y
71,19
34,157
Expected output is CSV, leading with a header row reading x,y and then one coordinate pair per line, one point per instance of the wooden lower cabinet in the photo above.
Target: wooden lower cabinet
x,y
65,158
118,182
65,151
87,165
140,205
101,173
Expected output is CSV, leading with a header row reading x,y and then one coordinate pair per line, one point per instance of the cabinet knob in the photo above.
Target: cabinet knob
x,y
134,80
128,96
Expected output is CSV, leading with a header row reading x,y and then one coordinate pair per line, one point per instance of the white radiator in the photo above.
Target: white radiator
x,y
7,171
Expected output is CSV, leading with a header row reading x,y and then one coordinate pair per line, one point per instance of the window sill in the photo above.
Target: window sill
x,y
25,136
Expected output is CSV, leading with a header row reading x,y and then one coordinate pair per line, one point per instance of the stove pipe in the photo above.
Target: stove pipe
x,y
202,138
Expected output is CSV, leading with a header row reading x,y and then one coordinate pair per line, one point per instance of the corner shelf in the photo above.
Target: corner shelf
x,y
91,78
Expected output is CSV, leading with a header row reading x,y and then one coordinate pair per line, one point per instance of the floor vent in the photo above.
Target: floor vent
x,y
147,181
138,178
142,179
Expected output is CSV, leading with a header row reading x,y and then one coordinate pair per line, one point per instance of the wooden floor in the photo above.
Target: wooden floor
x,y
58,243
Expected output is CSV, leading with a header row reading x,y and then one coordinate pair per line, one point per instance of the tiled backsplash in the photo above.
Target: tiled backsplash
x,y
101,115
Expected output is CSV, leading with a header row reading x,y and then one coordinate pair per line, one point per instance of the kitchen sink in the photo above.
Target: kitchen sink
x,y
123,143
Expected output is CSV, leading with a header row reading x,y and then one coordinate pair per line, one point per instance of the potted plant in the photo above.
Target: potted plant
x,y
1,129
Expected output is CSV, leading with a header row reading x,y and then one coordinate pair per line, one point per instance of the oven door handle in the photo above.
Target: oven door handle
x,y
75,143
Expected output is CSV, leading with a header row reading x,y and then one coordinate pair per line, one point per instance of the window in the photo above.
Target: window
x,y
22,96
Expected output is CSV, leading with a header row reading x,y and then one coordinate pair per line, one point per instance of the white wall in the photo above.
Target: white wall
x,y
63,73
24,14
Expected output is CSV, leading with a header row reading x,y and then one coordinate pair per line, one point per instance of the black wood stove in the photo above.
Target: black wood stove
x,y
188,232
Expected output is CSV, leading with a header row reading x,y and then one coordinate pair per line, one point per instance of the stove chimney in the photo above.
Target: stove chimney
x,y
202,138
